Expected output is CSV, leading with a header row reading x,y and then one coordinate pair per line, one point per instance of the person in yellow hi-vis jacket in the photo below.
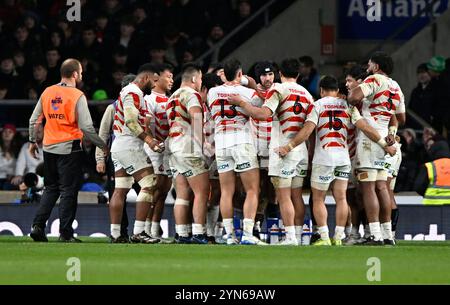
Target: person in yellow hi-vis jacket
x,y
433,181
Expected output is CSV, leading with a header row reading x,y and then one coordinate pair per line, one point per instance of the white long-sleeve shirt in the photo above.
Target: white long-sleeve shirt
x,y
26,163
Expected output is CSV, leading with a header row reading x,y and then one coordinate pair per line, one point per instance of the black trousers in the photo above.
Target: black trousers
x,y
62,179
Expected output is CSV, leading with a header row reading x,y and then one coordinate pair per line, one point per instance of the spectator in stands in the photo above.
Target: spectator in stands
x,y
433,180
216,33
157,53
422,96
101,27
25,162
4,87
70,36
24,42
22,66
436,66
90,45
175,44
56,39
309,76
35,29
39,82
9,75
410,160
53,58
9,149
113,9
244,11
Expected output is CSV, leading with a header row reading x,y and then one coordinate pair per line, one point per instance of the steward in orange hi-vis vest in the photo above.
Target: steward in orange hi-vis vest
x,y
59,107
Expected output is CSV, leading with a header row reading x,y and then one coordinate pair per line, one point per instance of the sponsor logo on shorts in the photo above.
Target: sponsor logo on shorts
x,y
287,172
379,163
303,172
188,174
129,169
161,168
342,174
387,165
325,178
223,166
243,166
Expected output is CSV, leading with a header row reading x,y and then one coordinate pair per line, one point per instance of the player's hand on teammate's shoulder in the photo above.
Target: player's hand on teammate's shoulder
x,y
235,100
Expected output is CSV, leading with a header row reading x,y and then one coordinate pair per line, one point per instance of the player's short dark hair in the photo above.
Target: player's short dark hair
x,y
329,82
357,72
384,61
147,68
216,67
306,60
69,66
188,70
211,80
164,66
289,67
52,48
231,68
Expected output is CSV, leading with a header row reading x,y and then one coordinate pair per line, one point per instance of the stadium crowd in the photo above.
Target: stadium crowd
x,y
115,39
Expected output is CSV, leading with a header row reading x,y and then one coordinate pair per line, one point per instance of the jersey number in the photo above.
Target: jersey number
x,y
227,114
389,106
335,122
297,106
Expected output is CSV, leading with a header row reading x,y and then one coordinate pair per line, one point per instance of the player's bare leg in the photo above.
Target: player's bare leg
x,y
200,187
287,211
299,215
213,209
355,209
227,188
182,209
372,208
163,187
385,210
147,181
116,203
321,215
339,188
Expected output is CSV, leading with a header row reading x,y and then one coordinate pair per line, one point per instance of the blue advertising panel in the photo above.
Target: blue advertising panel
x,y
353,21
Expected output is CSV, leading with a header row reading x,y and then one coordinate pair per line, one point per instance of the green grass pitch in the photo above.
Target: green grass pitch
x,y
25,262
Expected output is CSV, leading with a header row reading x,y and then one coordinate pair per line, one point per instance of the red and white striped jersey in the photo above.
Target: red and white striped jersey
x,y
208,124
351,141
290,104
156,105
384,98
130,96
262,130
332,117
181,135
231,123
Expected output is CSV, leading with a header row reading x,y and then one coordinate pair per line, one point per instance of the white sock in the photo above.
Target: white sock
x,y
181,230
139,227
189,228
348,230
366,231
148,226
155,229
248,226
298,232
324,232
290,232
197,229
386,230
115,230
211,219
375,230
339,233
228,224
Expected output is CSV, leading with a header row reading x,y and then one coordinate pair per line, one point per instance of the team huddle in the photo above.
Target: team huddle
x,y
221,134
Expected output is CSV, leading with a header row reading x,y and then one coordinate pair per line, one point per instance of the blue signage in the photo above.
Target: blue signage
x,y
354,17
